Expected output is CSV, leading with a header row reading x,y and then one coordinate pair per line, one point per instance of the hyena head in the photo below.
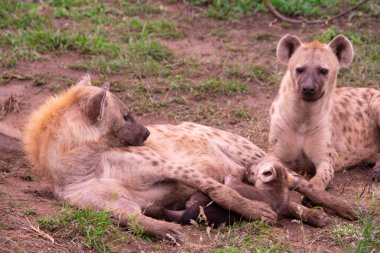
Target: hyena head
x,y
313,67
111,116
267,172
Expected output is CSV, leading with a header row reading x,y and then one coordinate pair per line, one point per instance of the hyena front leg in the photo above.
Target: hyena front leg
x,y
313,217
323,176
221,194
108,194
325,199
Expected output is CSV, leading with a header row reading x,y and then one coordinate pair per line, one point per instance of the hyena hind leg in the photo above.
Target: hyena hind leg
x,y
107,194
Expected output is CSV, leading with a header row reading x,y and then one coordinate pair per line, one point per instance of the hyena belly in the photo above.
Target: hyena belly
x,y
355,133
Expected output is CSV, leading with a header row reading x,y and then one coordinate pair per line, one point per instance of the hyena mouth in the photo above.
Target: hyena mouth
x,y
312,98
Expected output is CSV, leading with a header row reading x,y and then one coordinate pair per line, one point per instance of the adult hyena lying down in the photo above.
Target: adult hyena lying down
x,y
93,150
316,126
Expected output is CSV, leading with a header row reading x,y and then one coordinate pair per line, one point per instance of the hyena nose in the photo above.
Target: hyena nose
x,y
308,89
146,134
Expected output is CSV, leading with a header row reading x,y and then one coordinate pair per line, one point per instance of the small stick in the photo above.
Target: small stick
x,y
278,15
41,233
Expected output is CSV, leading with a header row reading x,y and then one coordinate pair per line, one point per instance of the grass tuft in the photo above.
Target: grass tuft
x,y
95,227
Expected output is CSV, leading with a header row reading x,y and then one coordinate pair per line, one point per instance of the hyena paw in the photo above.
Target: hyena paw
x,y
317,218
266,213
175,234
376,174
170,231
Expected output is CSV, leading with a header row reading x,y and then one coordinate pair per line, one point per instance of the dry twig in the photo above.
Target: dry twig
x,y
41,233
278,15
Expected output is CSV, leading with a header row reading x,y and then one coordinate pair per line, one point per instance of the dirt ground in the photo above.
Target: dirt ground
x,y
214,44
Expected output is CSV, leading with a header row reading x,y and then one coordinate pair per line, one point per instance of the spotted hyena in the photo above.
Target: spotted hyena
x,y
98,156
315,125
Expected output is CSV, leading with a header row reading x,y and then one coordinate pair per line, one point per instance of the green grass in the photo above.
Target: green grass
x,y
95,29
230,9
30,212
160,28
95,228
318,9
250,237
251,72
362,236
210,87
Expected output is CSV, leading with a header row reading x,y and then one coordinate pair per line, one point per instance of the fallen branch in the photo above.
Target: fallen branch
x,y
278,15
41,233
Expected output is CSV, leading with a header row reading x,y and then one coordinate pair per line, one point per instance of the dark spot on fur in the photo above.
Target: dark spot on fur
x,y
186,171
247,147
185,176
358,116
154,163
197,181
360,103
343,116
179,167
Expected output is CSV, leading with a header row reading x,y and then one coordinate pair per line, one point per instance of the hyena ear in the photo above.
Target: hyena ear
x,y
286,47
97,105
343,50
84,80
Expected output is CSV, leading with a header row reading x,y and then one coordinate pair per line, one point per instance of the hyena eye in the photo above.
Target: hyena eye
x,y
323,71
300,70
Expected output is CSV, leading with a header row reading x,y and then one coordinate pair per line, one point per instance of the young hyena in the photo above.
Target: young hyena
x,y
98,156
316,126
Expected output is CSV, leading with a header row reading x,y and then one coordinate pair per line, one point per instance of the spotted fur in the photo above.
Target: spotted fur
x,y
316,126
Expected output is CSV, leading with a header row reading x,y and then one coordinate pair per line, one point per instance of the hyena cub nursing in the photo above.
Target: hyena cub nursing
x,y
316,126
263,182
